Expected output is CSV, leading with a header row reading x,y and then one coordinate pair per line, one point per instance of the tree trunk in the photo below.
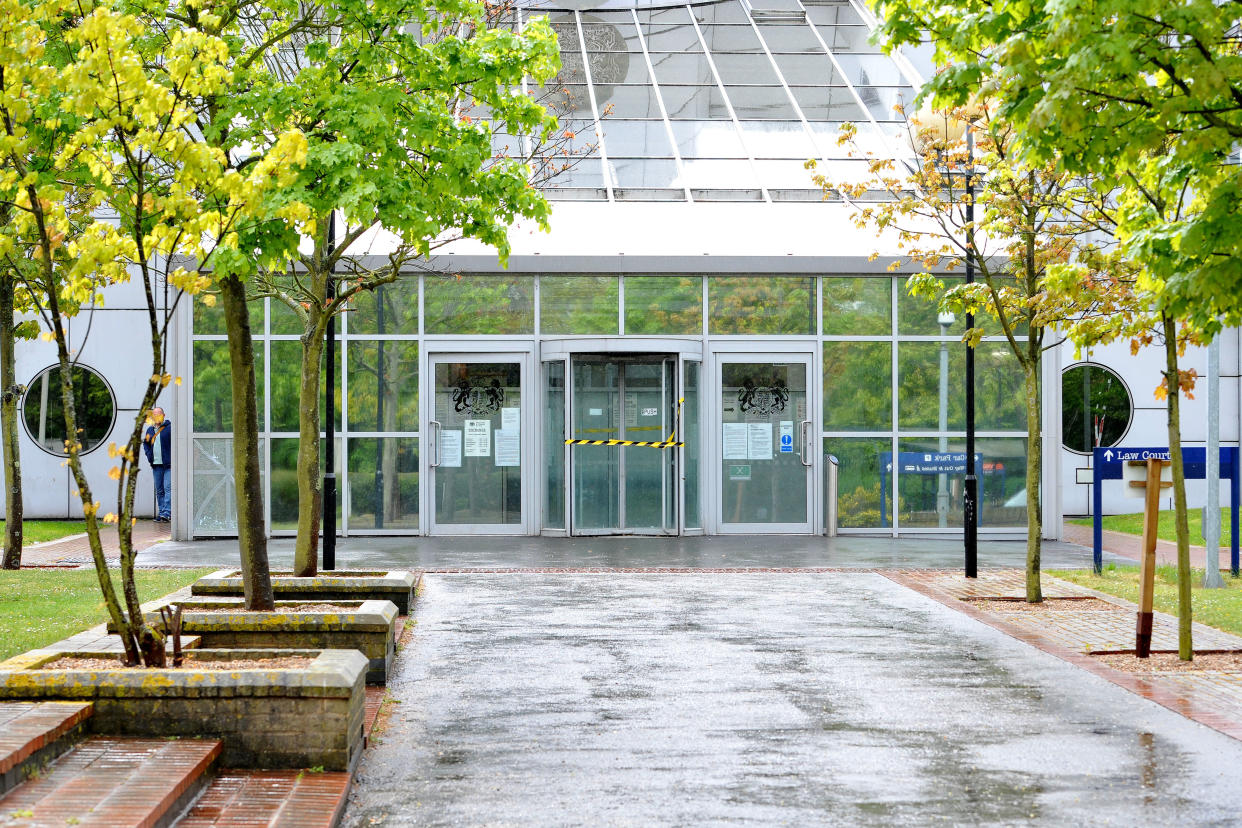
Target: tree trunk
x,y
251,533
90,510
1185,647
10,392
1034,460
310,482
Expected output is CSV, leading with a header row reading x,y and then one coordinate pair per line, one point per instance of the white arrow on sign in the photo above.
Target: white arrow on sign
x,y
1108,455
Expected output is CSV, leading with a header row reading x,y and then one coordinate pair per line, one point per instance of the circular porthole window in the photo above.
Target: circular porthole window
x,y
1096,408
44,415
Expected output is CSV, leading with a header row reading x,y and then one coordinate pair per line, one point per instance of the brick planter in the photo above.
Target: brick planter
x,y
277,718
367,626
398,586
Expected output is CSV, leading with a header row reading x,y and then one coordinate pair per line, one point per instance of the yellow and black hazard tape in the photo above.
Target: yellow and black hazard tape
x,y
648,443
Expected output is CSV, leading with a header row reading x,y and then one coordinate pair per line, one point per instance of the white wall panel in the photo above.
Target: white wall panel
x,y
117,345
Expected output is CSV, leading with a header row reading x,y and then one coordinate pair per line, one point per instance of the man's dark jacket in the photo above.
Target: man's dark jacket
x,y
164,430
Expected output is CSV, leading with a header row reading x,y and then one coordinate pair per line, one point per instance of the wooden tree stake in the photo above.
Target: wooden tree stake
x,y
1147,574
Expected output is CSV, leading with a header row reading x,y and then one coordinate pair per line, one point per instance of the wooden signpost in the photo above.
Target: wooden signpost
x,y
1147,574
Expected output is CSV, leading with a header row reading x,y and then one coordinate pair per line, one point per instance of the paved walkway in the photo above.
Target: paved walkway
x,y
1130,547
769,698
717,552
1077,631
75,550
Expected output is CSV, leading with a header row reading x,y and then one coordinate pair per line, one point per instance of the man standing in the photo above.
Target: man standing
x,y
157,442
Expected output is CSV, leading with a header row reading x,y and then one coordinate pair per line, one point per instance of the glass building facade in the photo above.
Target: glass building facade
x,y
457,394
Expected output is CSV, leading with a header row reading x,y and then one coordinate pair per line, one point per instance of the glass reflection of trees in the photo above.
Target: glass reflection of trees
x,y
43,410
1095,407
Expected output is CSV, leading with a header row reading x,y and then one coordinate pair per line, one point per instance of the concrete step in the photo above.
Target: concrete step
x,y
32,734
266,799
108,782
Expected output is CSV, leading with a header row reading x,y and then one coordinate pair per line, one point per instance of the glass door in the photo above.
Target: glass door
x,y
621,484
764,443
479,448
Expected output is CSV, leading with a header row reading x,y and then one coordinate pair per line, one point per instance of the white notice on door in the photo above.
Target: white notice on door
x,y
759,439
478,438
510,420
508,448
450,448
631,410
735,441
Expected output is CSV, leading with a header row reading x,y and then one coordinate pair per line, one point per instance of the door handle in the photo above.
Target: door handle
x,y
435,443
806,441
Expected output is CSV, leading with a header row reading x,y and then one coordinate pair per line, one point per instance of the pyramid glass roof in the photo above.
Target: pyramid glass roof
x,y
718,101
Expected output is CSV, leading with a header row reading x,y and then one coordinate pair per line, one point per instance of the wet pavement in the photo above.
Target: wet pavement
x,y
762,698
719,551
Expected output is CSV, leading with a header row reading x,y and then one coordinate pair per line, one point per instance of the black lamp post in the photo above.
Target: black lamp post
x,y
329,454
971,517
949,129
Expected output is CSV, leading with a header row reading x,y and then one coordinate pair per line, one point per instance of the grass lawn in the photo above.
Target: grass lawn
x,y
1219,608
38,531
41,606
1133,525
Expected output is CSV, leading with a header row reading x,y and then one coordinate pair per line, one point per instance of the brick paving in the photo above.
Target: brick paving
x,y
75,550
108,782
1212,698
291,799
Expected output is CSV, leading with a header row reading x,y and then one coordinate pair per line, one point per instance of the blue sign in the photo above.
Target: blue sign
x,y
1109,461
786,444
1107,465
929,462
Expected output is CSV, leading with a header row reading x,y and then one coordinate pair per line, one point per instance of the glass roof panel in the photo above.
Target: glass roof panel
x,y
650,19
615,35
695,103
558,172
719,174
644,172
636,138
627,102
665,35
837,14
564,100
848,39
777,139
871,70
787,38
882,100
574,137
744,68
828,103
681,67
808,69
761,102
729,11
786,174
708,139
866,139
731,39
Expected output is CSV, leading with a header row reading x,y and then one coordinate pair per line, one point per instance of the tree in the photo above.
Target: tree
x,y
1125,304
1147,98
112,118
1026,223
400,126
10,391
